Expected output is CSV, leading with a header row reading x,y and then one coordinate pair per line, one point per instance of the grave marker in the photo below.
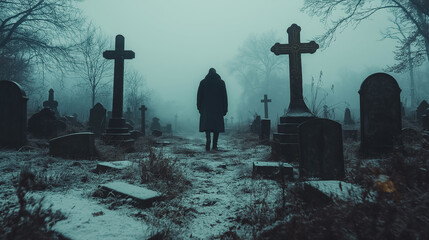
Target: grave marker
x,y
265,101
380,114
117,131
97,119
321,150
285,142
51,103
13,115
421,110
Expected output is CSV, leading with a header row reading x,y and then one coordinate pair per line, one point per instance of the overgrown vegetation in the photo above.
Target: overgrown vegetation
x,y
28,218
399,209
164,172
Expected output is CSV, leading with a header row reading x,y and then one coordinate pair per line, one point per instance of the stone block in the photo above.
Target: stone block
x,y
272,170
76,145
143,196
114,166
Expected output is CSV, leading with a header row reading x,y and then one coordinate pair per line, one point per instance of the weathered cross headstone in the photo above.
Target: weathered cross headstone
x,y
285,142
421,110
143,109
265,101
13,115
380,114
51,103
117,131
97,119
321,150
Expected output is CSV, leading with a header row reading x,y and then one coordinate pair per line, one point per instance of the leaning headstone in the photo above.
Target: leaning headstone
x,y
421,110
380,114
13,115
45,124
144,196
51,103
321,150
97,119
75,145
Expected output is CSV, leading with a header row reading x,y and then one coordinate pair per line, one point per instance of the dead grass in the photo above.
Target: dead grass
x,y
163,172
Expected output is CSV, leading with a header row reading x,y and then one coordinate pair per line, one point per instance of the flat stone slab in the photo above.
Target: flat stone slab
x,y
115,166
143,196
326,191
272,170
86,219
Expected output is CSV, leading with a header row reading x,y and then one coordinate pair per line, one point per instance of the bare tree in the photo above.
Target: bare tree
x,y
259,71
136,94
411,14
90,64
38,30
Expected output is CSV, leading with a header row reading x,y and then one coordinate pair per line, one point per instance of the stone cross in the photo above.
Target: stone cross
x,y
266,101
143,109
294,49
119,55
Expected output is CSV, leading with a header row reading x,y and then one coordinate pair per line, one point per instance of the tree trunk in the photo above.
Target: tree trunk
x,y
412,87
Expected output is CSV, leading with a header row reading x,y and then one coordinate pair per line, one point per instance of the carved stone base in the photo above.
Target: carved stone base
x,y
285,144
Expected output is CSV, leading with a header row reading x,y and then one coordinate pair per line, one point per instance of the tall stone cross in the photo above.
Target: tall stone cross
x,y
266,101
119,55
143,109
294,49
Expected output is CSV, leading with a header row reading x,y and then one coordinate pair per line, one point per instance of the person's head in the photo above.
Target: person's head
x,y
212,71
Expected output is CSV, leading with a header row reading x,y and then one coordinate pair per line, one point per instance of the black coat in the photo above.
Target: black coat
x,y
212,103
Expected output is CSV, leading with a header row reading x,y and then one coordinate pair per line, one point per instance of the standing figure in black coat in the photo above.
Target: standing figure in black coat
x,y
212,103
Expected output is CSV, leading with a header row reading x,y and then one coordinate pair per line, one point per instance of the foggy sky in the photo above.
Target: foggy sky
x,y
176,42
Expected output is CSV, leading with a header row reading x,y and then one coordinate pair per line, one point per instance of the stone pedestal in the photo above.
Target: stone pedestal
x,y
285,144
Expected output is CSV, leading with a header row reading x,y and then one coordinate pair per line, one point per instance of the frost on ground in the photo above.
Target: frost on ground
x,y
212,195
205,194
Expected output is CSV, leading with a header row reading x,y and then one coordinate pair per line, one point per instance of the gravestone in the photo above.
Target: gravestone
x,y
265,101
75,145
380,114
117,131
425,120
169,129
285,141
128,115
255,127
97,119
321,150
155,125
348,117
265,132
13,115
421,110
143,109
51,103
45,124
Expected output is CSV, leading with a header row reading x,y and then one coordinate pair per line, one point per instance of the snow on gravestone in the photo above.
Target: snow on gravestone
x,y
13,115
380,114
143,195
321,150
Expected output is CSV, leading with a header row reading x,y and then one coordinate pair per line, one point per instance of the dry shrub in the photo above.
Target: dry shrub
x,y
41,180
30,219
163,172
399,209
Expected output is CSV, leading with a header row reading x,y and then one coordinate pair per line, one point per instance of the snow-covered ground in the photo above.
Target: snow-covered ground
x,y
221,195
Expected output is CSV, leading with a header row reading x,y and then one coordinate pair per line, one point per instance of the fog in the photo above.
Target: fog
x,y
176,42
